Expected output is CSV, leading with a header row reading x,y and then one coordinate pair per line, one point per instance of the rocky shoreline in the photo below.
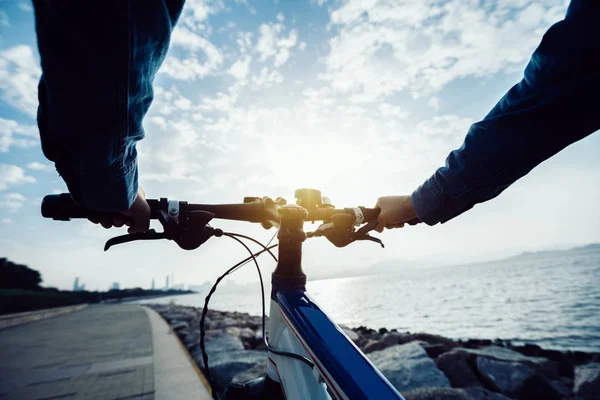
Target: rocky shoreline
x,y
421,366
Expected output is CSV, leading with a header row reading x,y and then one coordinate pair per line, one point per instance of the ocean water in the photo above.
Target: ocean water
x,y
552,300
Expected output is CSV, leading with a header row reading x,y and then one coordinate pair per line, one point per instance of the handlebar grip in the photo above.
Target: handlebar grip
x,y
371,214
62,207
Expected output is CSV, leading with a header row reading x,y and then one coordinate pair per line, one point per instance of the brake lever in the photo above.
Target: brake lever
x,y
150,234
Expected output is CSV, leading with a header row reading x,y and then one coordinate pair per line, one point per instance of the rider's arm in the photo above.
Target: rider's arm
x,y
556,104
98,60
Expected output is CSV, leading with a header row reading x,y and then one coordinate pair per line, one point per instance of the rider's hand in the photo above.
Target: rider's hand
x,y
395,211
137,217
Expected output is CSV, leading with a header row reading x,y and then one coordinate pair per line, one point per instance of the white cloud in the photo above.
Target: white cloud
x,y
6,221
12,201
241,68
19,75
280,17
267,78
272,44
38,166
190,68
4,19
13,175
25,7
383,47
14,134
434,102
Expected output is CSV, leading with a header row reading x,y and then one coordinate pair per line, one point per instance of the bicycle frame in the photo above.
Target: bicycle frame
x,y
298,325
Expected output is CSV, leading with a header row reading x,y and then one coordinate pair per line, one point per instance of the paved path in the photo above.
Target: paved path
x,y
102,352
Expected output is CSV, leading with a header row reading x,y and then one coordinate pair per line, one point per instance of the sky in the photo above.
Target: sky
x,y
357,98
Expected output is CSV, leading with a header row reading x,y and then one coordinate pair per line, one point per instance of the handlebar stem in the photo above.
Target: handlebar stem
x,y
291,236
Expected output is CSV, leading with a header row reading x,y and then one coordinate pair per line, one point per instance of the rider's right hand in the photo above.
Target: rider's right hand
x,y
395,211
137,217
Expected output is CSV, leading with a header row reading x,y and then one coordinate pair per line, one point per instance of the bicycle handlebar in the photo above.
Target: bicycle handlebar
x,y
62,207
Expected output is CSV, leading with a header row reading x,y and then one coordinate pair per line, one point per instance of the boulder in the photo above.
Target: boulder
x,y
434,350
457,370
374,345
436,394
222,343
228,365
408,367
537,387
503,376
252,373
548,368
587,380
179,325
478,393
392,338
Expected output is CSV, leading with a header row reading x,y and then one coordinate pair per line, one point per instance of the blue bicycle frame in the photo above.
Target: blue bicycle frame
x,y
297,324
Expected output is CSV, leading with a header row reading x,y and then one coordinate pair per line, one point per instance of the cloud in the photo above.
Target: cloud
x,y
12,201
383,47
272,44
434,102
13,175
190,67
18,135
6,221
38,166
19,75
4,19
25,7
241,68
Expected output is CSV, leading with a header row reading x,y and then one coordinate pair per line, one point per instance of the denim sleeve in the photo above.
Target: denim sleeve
x,y
99,59
556,104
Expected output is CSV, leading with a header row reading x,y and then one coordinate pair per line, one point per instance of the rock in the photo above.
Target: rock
x,y
179,316
233,330
537,387
503,376
478,393
247,334
457,370
392,338
587,380
374,345
179,325
548,368
434,350
408,367
229,365
436,394
255,372
383,331
562,388
219,343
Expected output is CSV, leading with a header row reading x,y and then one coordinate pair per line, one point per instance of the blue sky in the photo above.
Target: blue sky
x,y
358,98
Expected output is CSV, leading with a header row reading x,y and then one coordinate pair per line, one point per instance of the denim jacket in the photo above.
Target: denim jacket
x,y
99,59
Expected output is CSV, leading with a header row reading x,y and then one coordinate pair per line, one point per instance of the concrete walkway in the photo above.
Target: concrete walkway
x,y
102,352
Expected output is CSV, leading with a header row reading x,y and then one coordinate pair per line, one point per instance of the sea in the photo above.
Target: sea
x,y
551,299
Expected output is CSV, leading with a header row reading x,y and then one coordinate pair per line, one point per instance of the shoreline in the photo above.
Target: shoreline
x,y
419,365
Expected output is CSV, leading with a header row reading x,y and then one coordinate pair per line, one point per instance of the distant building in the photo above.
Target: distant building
x,y
152,284
78,287
167,284
116,286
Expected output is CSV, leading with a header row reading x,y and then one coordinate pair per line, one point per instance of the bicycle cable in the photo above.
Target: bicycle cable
x,y
252,257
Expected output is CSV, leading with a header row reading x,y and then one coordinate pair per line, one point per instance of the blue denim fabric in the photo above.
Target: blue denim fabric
x,y
555,104
99,59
